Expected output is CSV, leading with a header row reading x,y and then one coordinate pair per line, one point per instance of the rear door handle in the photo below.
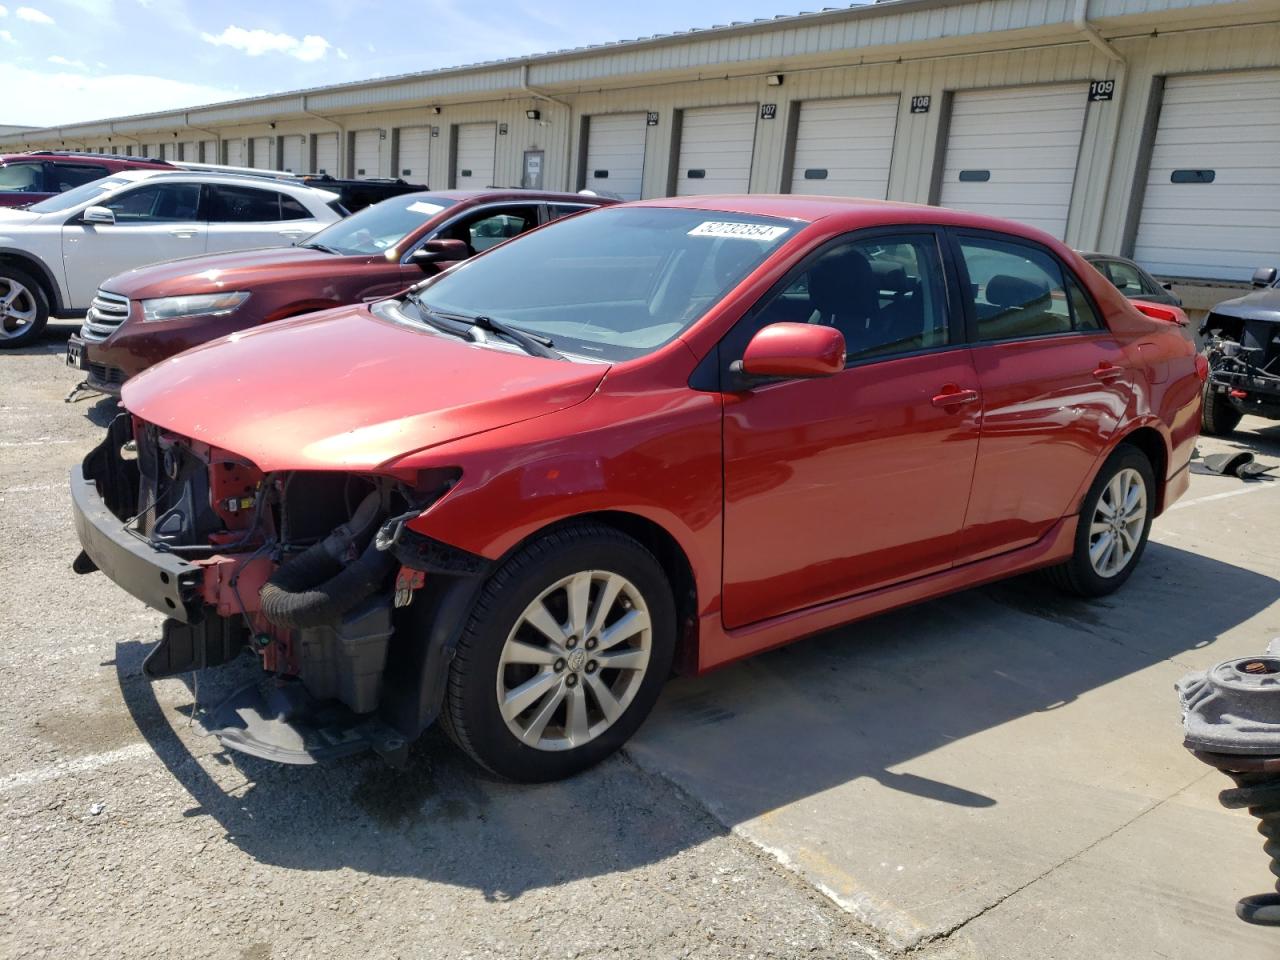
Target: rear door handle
x,y
1108,371
952,396
184,234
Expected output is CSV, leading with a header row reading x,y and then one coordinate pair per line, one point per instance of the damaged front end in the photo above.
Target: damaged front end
x,y
313,572
1243,352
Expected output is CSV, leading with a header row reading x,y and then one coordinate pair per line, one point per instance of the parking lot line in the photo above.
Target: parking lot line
x,y
54,771
1183,504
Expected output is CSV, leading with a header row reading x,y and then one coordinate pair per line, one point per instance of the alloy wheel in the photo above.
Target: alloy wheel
x,y
17,309
1115,532
574,660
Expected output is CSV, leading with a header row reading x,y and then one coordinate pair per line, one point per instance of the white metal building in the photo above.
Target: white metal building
x,y
1145,127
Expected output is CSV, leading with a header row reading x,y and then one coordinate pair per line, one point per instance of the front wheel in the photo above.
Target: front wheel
x,y
1218,417
1115,521
563,656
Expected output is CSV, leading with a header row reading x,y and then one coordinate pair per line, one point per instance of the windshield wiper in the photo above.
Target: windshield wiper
x,y
322,247
436,321
531,343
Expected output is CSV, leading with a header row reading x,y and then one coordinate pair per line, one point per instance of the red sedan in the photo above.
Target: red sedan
x,y
669,434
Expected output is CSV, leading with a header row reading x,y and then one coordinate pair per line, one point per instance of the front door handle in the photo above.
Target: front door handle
x,y
1107,372
952,396
184,234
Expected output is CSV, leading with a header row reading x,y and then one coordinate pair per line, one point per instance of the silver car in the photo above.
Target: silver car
x,y
54,254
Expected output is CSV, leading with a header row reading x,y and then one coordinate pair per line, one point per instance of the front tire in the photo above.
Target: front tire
x,y
24,308
1218,418
563,656
1115,521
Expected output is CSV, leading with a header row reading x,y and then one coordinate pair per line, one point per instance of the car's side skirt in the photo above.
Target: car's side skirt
x,y
718,646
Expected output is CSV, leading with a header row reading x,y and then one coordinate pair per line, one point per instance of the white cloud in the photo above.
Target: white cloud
x,y
57,97
7,37
4,11
257,42
64,62
32,15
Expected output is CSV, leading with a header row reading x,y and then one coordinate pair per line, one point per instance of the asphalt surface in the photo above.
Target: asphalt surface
x,y
994,775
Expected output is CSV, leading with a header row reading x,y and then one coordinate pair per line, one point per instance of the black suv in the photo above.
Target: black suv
x,y
358,194
1242,345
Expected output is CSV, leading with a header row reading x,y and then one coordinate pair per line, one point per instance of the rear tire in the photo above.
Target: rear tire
x,y
563,656
1218,418
1115,520
24,308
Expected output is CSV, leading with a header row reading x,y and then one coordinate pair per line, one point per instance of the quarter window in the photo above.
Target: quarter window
x,y
1017,290
884,294
161,203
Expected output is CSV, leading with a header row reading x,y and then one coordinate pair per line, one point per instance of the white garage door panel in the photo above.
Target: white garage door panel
x,y
415,154
718,141
1028,138
1230,124
234,153
852,140
208,151
260,153
477,143
615,148
366,154
292,154
327,154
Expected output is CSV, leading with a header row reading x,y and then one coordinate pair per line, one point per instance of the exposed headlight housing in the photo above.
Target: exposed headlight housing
x,y
199,305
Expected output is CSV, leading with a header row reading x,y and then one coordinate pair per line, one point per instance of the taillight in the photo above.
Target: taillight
x,y
1160,312
1202,368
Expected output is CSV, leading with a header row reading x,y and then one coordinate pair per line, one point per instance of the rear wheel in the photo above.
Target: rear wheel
x,y
1218,417
24,308
564,655
1115,521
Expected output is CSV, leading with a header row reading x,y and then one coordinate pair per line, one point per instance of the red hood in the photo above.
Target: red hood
x,y
215,272
344,390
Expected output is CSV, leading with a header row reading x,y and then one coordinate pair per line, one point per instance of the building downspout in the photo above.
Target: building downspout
x,y
1082,24
342,137
568,108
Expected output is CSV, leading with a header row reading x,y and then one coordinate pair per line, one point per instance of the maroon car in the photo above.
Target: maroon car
x,y
31,177
146,315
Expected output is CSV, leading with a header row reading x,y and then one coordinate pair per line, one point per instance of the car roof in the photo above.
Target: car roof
x,y
232,179
519,193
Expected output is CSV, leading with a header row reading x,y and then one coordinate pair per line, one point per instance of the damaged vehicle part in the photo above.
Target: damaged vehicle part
x,y
1242,346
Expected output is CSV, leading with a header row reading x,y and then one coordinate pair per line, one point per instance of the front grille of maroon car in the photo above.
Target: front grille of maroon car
x,y
101,373
107,312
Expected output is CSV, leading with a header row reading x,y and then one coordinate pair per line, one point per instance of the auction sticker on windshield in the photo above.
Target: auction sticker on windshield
x,y
421,206
739,231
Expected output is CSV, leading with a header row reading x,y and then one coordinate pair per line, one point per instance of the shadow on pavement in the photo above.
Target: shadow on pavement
x,y
779,728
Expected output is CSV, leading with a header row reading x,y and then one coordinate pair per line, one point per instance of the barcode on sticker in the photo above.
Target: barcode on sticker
x,y
740,231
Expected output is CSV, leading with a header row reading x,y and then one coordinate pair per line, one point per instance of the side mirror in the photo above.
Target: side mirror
x,y
793,351
1264,276
436,251
98,215
1167,285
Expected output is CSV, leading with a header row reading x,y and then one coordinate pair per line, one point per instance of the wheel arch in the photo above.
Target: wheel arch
x,y
1155,447
37,268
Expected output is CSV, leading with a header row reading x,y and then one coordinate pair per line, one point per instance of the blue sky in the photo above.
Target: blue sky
x,y
63,61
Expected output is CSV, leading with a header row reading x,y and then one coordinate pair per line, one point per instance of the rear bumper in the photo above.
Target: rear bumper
x,y
160,580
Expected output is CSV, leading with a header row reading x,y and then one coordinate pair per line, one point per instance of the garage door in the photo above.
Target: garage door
x,y
293,152
190,151
233,152
844,147
1212,203
327,153
208,151
477,143
716,144
1012,153
366,154
168,151
615,154
413,154
260,152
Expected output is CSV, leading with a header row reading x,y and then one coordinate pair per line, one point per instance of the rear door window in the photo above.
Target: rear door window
x,y
68,176
246,205
1017,289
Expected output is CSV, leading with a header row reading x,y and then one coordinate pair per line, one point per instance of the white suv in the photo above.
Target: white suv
x,y
54,254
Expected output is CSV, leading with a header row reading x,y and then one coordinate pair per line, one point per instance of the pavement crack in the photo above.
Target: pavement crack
x,y
1150,808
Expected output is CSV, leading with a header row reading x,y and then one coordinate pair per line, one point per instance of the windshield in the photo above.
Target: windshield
x,y
380,227
81,194
614,283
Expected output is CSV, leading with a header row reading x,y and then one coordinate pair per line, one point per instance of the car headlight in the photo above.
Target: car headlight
x,y
201,305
